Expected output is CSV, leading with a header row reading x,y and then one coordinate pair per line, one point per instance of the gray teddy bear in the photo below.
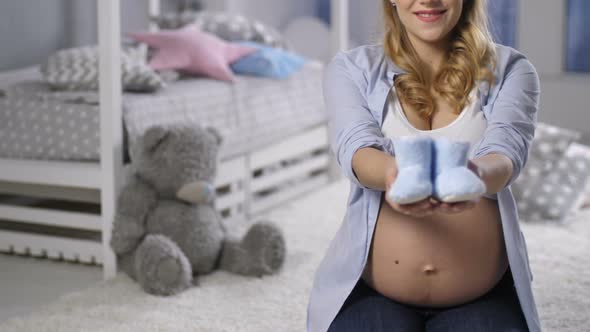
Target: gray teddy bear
x,y
166,230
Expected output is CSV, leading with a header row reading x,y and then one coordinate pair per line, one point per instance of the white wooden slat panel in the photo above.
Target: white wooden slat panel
x,y
54,253
51,217
56,247
70,256
58,173
289,173
231,170
21,250
230,200
54,192
89,258
37,252
261,204
293,146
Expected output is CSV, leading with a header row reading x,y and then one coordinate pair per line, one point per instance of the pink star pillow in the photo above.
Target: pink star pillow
x,y
194,51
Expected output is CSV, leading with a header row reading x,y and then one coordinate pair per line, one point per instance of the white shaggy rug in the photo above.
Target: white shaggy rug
x,y
225,302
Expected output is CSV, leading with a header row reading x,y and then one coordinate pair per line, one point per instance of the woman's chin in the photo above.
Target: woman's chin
x,y
432,38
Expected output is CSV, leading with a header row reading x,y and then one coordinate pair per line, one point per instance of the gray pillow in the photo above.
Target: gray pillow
x,y
552,183
549,145
557,192
227,26
551,142
77,69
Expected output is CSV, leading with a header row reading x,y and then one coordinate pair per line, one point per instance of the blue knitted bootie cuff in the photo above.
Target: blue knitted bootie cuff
x,y
452,180
414,158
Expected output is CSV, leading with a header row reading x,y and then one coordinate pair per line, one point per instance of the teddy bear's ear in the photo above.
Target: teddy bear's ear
x,y
154,136
215,132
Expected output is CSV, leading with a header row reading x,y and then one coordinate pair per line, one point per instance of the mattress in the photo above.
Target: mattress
x,y
38,123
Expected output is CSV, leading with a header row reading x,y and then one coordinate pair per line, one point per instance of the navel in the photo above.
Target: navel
x,y
429,269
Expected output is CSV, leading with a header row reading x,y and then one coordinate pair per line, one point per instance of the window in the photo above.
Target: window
x,y
578,36
323,10
502,16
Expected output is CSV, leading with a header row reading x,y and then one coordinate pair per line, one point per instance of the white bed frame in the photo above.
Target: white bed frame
x,y
64,210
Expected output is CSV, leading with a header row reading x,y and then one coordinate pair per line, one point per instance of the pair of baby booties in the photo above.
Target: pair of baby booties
x,y
434,167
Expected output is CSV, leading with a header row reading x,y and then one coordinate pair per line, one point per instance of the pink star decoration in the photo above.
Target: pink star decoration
x,y
194,51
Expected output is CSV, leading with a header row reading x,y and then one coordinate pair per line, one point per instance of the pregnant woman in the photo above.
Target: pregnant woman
x,y
428,265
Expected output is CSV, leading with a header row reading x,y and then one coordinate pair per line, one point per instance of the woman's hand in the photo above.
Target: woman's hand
x,y
455,207
421,208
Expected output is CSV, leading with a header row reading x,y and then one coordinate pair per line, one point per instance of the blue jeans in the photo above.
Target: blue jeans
x,y
366,310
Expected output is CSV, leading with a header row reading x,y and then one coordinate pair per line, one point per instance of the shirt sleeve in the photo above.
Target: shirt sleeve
x,y
513,117
351,125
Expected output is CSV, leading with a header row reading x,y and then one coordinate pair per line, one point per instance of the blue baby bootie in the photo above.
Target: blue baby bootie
x,y
413,155
453,181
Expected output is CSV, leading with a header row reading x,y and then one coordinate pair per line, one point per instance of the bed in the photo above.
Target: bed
x,y
40,123
58,196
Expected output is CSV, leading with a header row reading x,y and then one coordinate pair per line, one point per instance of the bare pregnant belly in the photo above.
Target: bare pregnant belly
x,y
438,260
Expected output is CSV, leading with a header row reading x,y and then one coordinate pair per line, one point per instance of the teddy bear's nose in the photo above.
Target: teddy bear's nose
x,y
197,192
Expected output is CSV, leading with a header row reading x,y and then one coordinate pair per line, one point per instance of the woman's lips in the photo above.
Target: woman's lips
x,y
430,16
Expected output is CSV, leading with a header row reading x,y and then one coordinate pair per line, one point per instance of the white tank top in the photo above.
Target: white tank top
x,y
468,126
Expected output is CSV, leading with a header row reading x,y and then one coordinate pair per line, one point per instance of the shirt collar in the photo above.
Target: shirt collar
x,y
391,70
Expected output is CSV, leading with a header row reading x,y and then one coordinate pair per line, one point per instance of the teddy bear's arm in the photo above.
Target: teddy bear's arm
x,y
135,201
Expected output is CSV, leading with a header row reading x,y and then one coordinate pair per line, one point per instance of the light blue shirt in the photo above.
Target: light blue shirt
x,y
356,84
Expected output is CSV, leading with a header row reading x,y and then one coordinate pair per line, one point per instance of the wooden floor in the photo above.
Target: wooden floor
x,y
27,283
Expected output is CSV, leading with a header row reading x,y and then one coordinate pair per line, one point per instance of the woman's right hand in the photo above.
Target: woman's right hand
x,y
420,208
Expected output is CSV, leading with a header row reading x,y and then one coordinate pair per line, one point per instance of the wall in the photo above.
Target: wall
x,y
276,13
563,95
30,30
22,41
365,21
34,29
84,19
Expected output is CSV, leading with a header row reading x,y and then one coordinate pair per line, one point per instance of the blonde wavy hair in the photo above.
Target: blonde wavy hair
x,y
470,57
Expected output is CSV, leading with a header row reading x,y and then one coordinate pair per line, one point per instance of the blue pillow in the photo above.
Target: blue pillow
x,y
268,62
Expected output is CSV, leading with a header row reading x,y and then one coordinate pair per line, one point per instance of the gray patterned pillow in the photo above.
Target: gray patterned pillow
x,y
551,142
227,26
77,69
548,146
551,183
557,192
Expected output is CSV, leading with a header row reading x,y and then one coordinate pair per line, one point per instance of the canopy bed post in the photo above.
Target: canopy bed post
x,y
111,128
339,19
339,42
154,9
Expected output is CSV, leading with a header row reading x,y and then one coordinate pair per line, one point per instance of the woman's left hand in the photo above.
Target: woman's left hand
x,y
454,207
